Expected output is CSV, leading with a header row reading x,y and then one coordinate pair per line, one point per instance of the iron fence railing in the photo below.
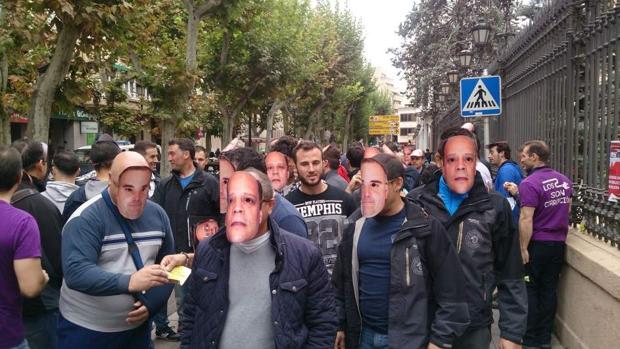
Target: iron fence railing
x,y
561,84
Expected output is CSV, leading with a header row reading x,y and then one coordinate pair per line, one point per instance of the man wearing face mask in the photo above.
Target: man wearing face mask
x,y
397,276
103,300
255,283
481,227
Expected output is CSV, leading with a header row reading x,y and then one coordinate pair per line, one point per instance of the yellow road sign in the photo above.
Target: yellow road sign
x,y
383,125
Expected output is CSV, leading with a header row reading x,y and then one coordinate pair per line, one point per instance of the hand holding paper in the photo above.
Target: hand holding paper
x,y
180,274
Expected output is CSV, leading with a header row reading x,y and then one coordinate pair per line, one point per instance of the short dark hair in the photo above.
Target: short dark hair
x,y
392,146
10,167
242,158
285,145
355,154
142,146
201,148
454,132
103,153
429,173
66,162
305,146
31,152
502,146
332,155
185,144
539,148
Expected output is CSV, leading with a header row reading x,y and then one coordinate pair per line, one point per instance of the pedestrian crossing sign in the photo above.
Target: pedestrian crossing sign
x,y
481,96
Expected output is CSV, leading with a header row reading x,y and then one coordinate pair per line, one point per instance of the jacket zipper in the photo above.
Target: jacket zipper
x,y
407,273
459,240
189,233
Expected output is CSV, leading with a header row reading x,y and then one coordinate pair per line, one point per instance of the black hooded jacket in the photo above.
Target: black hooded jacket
x,y
187,207
487,243
427,294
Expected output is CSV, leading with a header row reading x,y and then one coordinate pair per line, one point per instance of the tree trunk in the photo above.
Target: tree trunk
x,y
43,96
275,108
208,143
313,115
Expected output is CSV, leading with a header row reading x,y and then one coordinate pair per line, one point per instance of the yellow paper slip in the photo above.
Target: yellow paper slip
x,y
179,274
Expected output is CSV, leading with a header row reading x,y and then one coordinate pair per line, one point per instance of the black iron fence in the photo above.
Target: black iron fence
x,y
561,84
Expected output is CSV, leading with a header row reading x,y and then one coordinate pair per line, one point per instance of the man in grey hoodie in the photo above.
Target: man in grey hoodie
x,y
101,154
65,167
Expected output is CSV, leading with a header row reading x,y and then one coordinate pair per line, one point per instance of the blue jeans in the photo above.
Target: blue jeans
x,y
22,345
370,339
72,336
41,330
179,295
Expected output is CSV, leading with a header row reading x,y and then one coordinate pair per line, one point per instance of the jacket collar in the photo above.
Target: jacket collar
x,y
196,180
478,199
220,243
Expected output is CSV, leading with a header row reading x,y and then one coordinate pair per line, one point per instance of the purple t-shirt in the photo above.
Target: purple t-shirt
x,y
19,239
549,192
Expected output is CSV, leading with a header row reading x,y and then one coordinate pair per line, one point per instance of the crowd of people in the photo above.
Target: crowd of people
x,y
304,246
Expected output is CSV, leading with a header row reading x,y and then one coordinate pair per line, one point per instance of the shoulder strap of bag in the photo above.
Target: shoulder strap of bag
x,y
133,248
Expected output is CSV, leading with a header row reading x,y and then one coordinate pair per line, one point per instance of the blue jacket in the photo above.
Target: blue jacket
x,y
288,217
303,306
508,172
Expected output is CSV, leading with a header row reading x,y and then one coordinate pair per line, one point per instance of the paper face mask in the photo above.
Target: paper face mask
x,y
374,189
243,215
226,171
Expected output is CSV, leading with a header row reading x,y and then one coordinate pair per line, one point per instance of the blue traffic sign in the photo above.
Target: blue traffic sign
x,y
481,96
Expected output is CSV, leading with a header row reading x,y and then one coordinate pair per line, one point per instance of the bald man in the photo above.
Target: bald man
x,y
104,301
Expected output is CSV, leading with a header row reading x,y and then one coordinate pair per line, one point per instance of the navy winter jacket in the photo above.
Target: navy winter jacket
x,y
487,243
303,308
427,293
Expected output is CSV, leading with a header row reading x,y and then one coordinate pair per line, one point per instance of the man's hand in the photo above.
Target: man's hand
x,y
339,340
171,261
506,344
525,256
432,346
512,188
138,315
148,277
355,183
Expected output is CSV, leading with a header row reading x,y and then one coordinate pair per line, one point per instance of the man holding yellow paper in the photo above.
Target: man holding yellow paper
x,y
255,283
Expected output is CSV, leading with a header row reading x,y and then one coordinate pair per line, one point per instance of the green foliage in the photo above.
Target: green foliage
x,y
301,56
434,32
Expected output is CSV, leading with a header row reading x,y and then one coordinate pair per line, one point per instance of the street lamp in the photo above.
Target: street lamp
x,y
465,58
481,32
453,76
445,88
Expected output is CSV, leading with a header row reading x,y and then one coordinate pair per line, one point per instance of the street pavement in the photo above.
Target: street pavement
x,y
161,344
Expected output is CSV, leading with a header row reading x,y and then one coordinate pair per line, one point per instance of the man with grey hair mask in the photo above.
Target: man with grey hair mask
x,y
253,282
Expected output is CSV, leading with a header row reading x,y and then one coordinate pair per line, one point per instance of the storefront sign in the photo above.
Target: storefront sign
x,y
89,127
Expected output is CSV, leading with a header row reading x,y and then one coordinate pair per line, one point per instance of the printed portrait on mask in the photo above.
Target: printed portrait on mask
x,y
205,228
226,171
374,188
243,215
277,169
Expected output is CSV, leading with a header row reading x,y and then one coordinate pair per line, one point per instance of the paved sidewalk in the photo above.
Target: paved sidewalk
x,y
161,344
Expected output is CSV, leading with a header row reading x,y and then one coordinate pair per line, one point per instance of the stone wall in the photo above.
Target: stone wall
x,y
588,315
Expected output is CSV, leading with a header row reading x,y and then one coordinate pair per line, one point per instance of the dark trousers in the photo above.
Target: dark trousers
x,y
543,272
41,330
479,338
72,336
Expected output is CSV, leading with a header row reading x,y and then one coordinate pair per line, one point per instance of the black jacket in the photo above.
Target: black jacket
x,y
189,206
427,299
487,242
49,220
302,306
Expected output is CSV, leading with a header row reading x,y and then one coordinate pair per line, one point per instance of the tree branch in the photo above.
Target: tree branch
x,y
204,8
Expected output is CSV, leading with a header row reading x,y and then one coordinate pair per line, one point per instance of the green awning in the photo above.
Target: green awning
x,y
120,67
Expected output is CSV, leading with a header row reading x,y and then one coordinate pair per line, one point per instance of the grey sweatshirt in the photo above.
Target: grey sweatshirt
x,y
58,192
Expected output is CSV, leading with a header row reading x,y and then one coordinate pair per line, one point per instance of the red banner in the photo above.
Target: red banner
x,y
614,170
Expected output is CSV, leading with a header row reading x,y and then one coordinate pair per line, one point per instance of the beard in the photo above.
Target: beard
x,y
308,183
